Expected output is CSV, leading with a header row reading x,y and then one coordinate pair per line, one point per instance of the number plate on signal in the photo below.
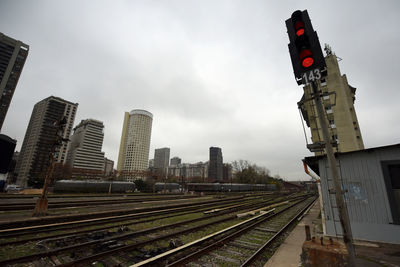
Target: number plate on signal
x,y
310,76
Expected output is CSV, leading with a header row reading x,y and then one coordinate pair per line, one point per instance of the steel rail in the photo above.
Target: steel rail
x,y
119,237
139,244
14,226
14,232
70,204
136,245
253,257
191,210
250,224
127,235
50,253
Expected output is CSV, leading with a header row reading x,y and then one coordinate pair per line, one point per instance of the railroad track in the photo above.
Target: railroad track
x,y
33,222
121,241
85,203
116,221
239,245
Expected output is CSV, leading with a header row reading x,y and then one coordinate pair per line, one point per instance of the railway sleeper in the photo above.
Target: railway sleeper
x,y
231,251
108,245
265,229
244,244
224,258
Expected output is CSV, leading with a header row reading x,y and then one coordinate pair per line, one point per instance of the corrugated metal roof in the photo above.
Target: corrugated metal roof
x,y
312,162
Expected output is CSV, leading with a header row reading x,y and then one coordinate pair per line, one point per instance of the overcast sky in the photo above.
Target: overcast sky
x,y
213,73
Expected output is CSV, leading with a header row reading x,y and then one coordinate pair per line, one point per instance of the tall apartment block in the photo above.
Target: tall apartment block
x,y
84,151
338,101
161,159
40,136
215,168
135,142
13,54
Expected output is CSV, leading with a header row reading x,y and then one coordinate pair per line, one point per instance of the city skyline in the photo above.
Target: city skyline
x,y
213,74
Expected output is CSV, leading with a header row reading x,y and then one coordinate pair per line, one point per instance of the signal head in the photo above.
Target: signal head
x,y
304,48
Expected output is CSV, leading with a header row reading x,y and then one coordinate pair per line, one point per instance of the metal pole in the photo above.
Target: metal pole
x,y
341,206
165,182
42,203
321,203
110,187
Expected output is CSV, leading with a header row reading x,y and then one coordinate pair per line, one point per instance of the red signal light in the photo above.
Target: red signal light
x,y
299,27
307,62
300,32
306,58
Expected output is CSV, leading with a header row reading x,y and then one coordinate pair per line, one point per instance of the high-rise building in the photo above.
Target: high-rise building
x,y
151,163
227,172
13,54
40,136
338,100
84,150
108,167
215,168
175,161
135,142
161,159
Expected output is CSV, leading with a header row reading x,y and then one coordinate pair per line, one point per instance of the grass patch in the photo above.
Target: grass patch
x,y
10,252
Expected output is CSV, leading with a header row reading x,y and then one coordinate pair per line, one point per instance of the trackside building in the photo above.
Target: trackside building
x,y
371,181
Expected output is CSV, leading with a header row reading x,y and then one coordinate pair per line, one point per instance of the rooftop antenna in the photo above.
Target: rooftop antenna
x,y
328,51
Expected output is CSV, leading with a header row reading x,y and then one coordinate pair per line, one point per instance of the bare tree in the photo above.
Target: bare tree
x,y
240,165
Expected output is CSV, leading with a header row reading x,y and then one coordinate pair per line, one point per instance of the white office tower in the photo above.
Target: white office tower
x,y
134,149
84,151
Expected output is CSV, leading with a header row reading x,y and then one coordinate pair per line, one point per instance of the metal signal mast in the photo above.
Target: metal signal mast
x,y
309,67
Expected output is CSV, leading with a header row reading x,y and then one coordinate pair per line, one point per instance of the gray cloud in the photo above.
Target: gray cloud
x,y
213,73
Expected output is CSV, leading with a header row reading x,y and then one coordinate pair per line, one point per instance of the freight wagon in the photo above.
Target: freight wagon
x,y
77,186
228,187
169,187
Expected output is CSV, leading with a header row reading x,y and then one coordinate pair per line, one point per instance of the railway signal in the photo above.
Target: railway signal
x,y
309,66
42,202
304,48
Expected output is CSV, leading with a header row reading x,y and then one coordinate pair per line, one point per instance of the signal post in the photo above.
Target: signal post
x,y
309,66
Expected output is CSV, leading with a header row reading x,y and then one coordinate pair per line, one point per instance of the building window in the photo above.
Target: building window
x,y
328,110
391,174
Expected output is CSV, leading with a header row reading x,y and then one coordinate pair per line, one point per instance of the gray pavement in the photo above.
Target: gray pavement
x,y
288,254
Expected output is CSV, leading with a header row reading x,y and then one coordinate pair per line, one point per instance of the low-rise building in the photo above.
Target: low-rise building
x,y
370,179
